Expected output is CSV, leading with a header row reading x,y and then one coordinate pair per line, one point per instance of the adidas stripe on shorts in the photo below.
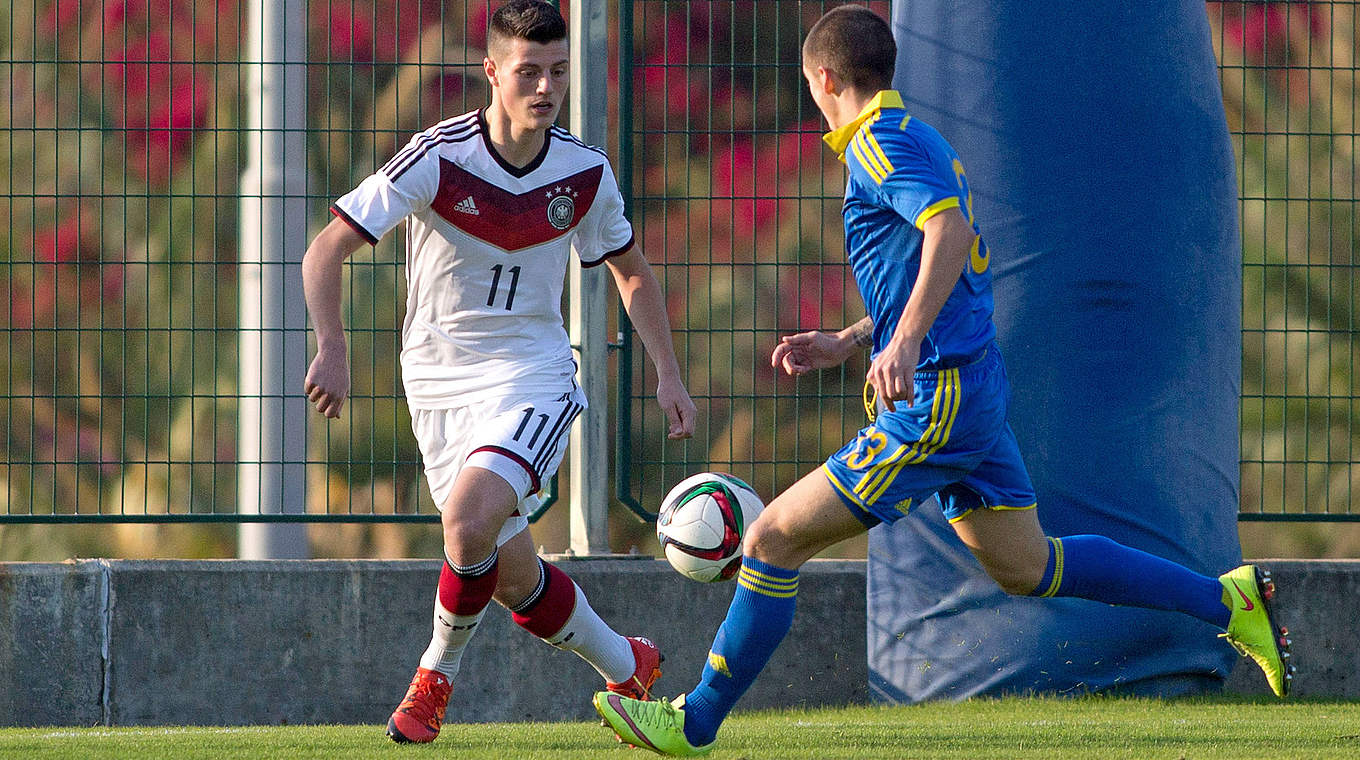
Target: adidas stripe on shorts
x,y
521,438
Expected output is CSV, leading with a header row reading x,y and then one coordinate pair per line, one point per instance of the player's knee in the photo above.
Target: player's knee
x,y
1015,578
767,543
514,587
469,536
1019,585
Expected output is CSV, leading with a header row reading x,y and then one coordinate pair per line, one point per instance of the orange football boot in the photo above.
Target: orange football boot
x,y
649,659
421,713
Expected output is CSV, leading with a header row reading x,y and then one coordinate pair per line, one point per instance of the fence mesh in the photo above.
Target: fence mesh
x,y
1289,87
123,144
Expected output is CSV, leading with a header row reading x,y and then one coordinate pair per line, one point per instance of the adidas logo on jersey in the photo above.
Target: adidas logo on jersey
x,y
467,206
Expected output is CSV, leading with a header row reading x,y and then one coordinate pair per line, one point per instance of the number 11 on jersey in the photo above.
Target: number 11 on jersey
x,y
496,283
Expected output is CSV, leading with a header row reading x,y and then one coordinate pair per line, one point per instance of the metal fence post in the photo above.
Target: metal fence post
x,y
272,436
588,321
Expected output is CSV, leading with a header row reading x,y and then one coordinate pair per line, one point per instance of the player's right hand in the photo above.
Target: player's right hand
x,y
678,406
801,353
327,383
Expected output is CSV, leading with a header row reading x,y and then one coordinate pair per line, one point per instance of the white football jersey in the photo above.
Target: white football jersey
x,y
486,255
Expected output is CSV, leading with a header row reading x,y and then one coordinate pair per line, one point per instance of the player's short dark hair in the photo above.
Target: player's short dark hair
x,y
532,20
857,44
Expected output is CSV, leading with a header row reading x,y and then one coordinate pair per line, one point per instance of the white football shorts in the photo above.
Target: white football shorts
x,y
520,438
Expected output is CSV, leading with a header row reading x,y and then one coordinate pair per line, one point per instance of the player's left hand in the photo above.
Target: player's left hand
x,y
678,406
893,372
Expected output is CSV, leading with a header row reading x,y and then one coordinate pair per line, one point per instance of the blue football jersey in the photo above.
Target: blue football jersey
x,y
901,173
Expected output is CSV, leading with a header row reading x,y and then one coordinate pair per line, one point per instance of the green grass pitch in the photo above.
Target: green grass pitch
x,y
1019,729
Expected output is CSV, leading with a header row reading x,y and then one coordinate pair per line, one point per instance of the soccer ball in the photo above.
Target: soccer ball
x,y
702,522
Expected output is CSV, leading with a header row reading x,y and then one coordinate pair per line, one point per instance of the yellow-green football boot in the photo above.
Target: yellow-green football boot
x,y
656,725
1252,629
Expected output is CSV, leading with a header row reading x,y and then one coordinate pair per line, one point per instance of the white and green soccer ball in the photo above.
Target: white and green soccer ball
x,y
702,522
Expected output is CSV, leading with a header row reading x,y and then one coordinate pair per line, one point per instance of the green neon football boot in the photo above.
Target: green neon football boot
x,y
655,725
1252,629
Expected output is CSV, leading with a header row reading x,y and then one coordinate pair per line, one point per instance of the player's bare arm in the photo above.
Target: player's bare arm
x,y
819,349
944,251
327,383
646,306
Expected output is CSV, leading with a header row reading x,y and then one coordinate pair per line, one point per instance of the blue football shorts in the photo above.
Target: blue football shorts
x,y
953,441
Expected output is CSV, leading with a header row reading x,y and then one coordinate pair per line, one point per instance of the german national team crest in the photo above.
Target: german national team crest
x,y
562,207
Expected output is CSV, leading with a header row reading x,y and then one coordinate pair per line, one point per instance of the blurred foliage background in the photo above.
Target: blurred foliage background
x,y
122,149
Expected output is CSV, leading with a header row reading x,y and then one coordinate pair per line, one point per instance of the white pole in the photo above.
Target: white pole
x,y
272,412
588,322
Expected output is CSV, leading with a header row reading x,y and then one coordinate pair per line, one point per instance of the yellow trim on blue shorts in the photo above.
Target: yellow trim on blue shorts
x,y
888,477
998,508
869,483
848,497
947,393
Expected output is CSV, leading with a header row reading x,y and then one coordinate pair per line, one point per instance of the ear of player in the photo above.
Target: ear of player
x,y
1253,629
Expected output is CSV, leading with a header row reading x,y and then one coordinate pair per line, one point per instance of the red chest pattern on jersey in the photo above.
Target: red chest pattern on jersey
x,y
513,221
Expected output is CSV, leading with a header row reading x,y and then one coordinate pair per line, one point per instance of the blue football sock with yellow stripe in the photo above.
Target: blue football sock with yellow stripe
x,y
1097,568
757,620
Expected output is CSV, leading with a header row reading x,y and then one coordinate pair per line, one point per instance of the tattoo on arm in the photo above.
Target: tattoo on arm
x,y
863,332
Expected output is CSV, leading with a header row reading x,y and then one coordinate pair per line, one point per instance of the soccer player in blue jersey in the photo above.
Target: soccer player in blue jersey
x,y
940,428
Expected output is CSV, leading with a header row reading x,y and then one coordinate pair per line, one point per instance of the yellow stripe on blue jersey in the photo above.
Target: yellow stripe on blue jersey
x,y
932,210
871,156
870,152
767,585
876,151
902,173
866,158
839,139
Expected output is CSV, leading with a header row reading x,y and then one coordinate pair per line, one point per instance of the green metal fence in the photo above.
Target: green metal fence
x,y
1289,84
742,190
122,142
737,203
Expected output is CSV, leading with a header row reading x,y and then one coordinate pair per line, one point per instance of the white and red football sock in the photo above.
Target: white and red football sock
x,y
558,613
462,599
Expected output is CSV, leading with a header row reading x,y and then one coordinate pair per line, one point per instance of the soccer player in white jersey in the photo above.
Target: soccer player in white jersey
x,y
495,201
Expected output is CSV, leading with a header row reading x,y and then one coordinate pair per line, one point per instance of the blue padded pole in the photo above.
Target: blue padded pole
x,y
1095,142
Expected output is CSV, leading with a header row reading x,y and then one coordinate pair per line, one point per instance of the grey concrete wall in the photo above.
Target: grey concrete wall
x,y
51,644
234,642
270,642
1319,602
